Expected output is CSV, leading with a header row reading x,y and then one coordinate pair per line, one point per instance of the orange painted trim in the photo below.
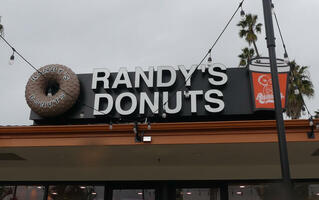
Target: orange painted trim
x,y
162,133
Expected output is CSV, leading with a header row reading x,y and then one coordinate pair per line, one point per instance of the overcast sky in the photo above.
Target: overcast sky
x,y
86,34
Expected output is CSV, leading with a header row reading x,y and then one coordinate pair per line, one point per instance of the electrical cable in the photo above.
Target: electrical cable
x,y
205,56
286,54
210,49
30,64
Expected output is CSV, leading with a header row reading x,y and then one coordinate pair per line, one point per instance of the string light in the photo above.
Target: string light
x,y
149,126
209,61
11,61
304,108
134,130
164,114
286,58
310,121
242,12
186,93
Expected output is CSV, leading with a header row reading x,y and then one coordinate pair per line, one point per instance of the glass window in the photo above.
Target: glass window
x,y
6,192
134,194
307,191
76,192
21,192
197,194
250,192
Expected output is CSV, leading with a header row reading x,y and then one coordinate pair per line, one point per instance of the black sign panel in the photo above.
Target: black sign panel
x,y
236,95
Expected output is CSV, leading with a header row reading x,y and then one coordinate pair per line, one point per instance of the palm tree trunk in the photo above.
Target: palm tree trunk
x,y
255,47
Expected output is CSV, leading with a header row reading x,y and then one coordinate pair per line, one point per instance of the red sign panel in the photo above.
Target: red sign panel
x,y
263,92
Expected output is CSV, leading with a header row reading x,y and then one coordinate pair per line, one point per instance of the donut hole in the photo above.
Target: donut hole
x,y
52,88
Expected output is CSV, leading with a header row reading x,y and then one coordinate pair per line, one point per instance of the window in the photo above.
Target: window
x,y
134,194
197,194
76,192
21,192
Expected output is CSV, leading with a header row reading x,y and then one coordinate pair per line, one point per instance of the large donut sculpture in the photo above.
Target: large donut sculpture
x,y
53,91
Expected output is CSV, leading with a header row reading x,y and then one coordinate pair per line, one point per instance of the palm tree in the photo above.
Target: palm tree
x,y
299,85
249,29
246,55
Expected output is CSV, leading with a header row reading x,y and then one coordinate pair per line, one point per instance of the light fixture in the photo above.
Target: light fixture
x,y
39,187
272,7
209,63
310,122
164,114
242,186
82,187
11,61
93,193
134,130
140,193
239,193
189,193
317,194
286,58
186,93
54,193
149,126
82,115
242,12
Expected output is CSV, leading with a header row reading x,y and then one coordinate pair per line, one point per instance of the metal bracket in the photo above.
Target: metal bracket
x,y
311,133
138,135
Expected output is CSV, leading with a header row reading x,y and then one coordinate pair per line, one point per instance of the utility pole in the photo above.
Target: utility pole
x,y
271,44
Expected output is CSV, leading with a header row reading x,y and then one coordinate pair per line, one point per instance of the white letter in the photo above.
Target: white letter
x,y
118,106
97,104
193,94
208,98
178,106
187,76
144,98
160,70
140,73
104,79
126,80
222,75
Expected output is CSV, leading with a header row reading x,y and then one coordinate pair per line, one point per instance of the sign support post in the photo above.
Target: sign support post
x,y
271,44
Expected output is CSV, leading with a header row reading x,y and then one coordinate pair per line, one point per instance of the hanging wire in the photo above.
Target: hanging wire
x,y
292,72
31,65
209,52
164,116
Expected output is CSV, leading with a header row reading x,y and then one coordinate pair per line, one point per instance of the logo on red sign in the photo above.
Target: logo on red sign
x,y
263,92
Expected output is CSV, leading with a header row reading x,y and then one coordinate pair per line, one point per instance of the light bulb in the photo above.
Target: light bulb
x,y
164,114
242,13
11,61
81,115
186,93
286,58
296,91
310,123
